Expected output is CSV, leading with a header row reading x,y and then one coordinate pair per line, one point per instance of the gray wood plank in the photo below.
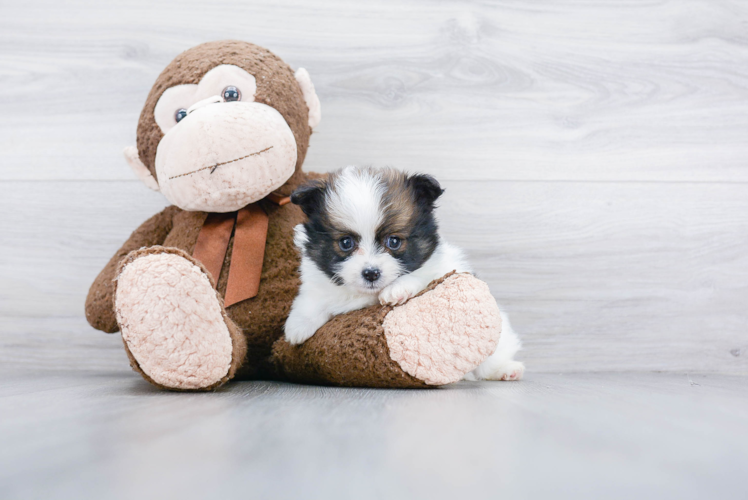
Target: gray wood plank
x,y
613,276
111,435
596,276
571,90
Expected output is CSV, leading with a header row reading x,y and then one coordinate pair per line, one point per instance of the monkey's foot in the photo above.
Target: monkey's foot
x,y
445,332
173,323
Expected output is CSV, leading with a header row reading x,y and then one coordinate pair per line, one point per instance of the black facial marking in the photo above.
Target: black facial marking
x,y
411,221
418,241
323,244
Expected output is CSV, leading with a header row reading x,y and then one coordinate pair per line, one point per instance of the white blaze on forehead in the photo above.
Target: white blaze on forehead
x,y
355,204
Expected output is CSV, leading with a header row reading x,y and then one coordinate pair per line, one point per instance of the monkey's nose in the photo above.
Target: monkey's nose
x,y
371,274
199,104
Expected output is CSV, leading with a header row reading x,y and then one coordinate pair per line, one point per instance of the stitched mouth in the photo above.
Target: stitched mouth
x,y
213,168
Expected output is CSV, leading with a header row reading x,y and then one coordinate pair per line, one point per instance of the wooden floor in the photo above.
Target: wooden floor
x,y
595,156
111,435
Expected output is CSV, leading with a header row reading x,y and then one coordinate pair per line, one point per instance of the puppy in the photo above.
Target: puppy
x,y
371,236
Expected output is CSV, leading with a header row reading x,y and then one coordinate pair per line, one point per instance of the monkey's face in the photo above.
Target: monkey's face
x,y
221,150
225,124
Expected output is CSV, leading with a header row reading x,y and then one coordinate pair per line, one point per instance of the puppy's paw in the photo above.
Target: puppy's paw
x,y
509,370
397,293
299,328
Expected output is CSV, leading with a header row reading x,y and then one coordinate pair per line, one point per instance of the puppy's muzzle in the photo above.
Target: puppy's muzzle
x,y
371,274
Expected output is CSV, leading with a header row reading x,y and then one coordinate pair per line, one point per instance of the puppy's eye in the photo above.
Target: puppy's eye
x,y
394,243
231,94
346,243
180,114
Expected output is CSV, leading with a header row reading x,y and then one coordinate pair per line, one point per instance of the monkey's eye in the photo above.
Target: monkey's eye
x,y
181,113
346,243
231,94
394,243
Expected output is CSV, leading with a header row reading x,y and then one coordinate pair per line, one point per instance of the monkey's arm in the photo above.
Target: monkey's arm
x,y
100,300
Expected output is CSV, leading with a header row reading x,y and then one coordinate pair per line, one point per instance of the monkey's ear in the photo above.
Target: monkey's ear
x,y
310,96
309,197
133,159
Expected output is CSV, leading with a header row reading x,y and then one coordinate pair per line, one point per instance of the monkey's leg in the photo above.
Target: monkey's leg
x,y
174,326
433,339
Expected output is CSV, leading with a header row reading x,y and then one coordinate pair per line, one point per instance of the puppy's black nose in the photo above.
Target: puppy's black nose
x,y
371,274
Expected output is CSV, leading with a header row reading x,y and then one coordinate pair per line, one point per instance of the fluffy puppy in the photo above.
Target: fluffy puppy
x,y
371,236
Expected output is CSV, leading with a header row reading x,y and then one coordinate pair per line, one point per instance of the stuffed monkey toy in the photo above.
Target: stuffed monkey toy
x,y
201,290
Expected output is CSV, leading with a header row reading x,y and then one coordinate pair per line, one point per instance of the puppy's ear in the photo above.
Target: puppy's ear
x,y
309,197
425,188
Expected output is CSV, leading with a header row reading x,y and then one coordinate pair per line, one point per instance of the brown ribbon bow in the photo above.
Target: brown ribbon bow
x,y
250,228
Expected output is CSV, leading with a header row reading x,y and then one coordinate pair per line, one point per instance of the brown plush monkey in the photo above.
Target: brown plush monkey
x,y
201,290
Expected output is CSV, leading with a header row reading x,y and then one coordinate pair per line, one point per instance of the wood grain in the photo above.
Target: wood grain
x,y
570,90
596,276
613,436
595,156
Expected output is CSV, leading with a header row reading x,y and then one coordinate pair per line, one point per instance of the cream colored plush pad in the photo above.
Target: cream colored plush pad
x,y
439,336
171,321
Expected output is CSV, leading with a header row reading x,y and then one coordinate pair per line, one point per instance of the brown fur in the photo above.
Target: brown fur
x,y
100,300
399,214
398,206
351,349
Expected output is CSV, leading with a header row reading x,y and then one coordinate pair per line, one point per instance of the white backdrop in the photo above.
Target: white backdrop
x,y
595,156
